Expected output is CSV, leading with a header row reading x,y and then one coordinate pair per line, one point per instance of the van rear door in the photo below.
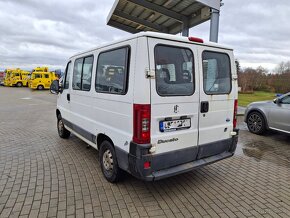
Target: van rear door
x,y
174,101
218,92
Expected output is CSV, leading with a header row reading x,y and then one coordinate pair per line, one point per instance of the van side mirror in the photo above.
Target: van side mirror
x,y
55,88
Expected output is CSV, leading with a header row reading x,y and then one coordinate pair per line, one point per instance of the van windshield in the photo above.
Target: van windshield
x,y
174,71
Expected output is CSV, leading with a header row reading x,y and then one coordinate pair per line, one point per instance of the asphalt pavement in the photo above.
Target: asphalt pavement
x,y
42,175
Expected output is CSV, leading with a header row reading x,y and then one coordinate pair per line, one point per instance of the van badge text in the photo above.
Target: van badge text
x,y
167,140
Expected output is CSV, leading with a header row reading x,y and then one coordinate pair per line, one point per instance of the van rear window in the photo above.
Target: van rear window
x,y
174,71
216,73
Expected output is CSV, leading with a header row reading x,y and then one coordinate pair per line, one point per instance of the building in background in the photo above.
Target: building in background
x,y
1,78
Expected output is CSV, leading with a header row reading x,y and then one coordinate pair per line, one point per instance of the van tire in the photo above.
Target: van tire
x,y
40,87
19,84
256,123
108,162
62,131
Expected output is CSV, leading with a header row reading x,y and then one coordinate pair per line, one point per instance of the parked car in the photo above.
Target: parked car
x,y
154,105
265,115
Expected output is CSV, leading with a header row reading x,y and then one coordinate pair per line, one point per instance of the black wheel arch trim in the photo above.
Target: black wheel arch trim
x,y
57,112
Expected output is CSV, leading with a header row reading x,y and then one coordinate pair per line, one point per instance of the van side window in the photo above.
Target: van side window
x,y
37,76
77,74
216,73
87,73
67,76
112,71
46,76
82,73
174,71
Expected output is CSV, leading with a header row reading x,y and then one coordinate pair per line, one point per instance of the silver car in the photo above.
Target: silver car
x,y
275,115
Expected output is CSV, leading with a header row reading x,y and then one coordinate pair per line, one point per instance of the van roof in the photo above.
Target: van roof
x,y
160,36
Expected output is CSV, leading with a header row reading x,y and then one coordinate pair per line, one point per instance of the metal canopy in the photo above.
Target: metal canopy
x,y
167,16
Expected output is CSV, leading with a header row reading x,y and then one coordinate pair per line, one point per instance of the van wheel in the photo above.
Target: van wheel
x,y
40,87
62,131
108,162
256,123
19,84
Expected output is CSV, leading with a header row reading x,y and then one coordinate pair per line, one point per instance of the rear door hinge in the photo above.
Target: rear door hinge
x,y
150,74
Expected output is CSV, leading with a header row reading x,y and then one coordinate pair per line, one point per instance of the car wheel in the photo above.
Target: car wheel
x,y
19,84
108,162
40,87
62,131
256,123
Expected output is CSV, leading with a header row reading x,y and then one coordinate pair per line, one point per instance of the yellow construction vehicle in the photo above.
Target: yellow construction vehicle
x,y
19,78
25,77
41,78
7,77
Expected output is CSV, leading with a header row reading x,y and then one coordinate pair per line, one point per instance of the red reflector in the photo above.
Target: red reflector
x,y
195,39
235,113
147,165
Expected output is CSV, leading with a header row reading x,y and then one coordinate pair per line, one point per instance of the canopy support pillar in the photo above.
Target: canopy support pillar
x,y
214,25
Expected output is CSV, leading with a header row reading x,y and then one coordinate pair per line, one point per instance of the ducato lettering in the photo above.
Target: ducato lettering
x,y
167,140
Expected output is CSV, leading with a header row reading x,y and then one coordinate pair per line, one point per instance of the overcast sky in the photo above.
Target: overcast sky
x,y
35,33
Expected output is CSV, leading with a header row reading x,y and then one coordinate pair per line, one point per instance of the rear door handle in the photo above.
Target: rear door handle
x,y
204,107
68,97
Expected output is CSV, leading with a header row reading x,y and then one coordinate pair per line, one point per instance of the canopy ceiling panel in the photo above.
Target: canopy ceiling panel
x,y
167,16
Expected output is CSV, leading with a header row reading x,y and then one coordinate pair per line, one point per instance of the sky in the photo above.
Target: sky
x,y
36,33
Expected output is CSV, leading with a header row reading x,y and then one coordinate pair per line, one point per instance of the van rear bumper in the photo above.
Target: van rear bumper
x,y
177,162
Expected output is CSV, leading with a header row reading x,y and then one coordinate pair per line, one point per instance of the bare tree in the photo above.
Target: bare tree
x,y
260,79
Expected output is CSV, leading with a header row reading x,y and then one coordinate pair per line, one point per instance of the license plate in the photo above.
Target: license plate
x,y
172,125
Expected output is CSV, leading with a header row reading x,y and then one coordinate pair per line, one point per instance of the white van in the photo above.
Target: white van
x,y
154,105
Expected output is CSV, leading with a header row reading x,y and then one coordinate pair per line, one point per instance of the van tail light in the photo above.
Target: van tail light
x,y
235,113
141,123
147,165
